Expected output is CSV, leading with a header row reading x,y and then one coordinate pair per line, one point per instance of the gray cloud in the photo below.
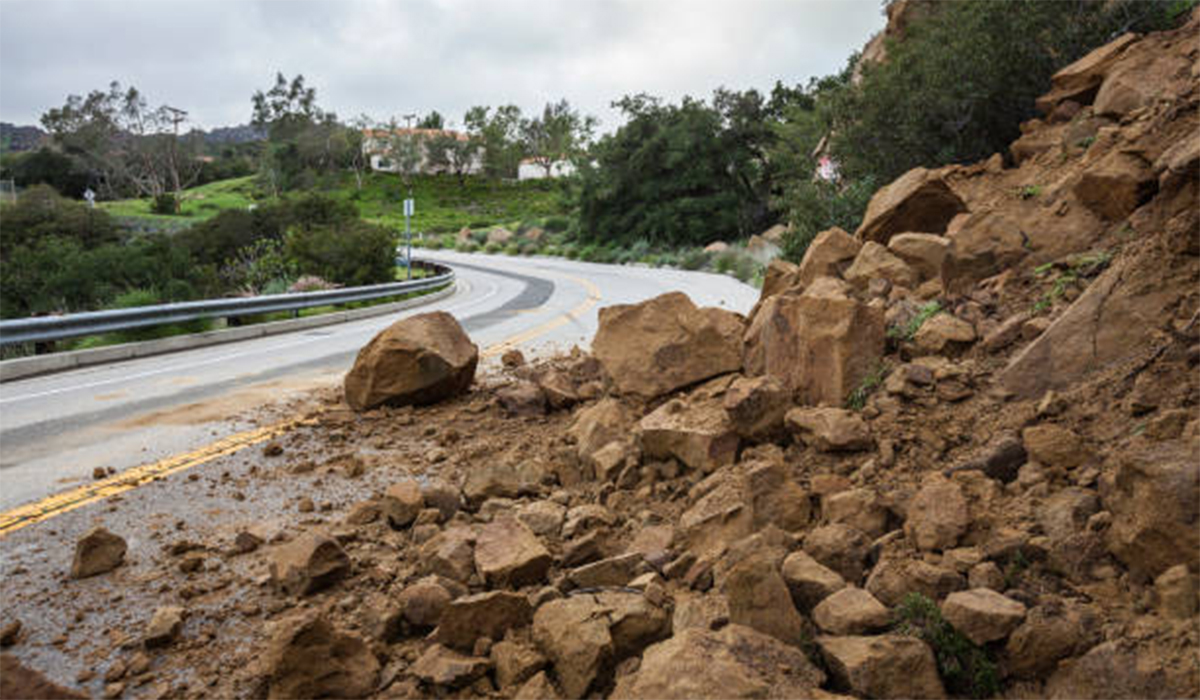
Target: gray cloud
x,y
387,58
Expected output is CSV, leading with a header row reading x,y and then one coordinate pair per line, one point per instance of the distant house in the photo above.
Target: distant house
x,y
532,169
377,145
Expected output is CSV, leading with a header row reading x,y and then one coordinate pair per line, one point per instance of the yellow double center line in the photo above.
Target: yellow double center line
x,y
17,518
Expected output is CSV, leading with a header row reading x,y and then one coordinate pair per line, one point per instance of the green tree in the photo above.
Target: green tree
x,y
499,133
433,120
558,134
453,153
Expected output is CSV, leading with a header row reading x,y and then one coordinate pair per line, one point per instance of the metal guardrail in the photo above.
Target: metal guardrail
x,y
47,328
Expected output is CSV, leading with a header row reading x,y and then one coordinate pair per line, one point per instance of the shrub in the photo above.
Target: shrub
x,y
311,283
556,224
432,243
350,254
725,261
492,248
466,247
512,249
165,203
815,206
134,298
747,268
909,330
966,669
40,212
694,259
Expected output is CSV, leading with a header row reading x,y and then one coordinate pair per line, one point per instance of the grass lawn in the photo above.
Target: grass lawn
x,y
199,203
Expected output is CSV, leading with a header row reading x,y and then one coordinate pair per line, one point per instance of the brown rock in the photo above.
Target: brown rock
x,y
779,275
829,254
920,201
422,603
830,429
925,253
522,399
1048,634
97,552
308,564
512,358
418,360
756,406
774,498
442,667
759,599
599,424
507,553
859,508
10,633
719,517
308,658
1067,511
515,663
538,688
451,553
1121,669
1006,333
985,244
943,335
875,261
1080,81
164,627
888,666
501,480
17,681
361,513
819,344
447,498
401,503
850,610
839,547
982,615
698,435
613,571
1115,186
544,518
893,578
491,614
1054,446
937,515
1175,590
1151,540
809,581
666,343
733,662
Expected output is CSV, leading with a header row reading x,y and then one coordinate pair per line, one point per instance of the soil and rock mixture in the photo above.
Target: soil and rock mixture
x,y
956,453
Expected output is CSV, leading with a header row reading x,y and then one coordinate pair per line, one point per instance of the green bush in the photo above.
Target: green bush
x,y
466,247
351,254
492,248
40,212
694,259
512,249
431,243
816,205
725,261
165,203
556,224
746,269
966,669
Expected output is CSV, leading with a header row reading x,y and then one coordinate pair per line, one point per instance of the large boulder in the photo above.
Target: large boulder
x,y
598,425
876,262
309,658
888,666
1150,540
924,252
851,610
984,244
1080,81
666,343
809,581
918,201
756,406
414,361
508,553
490,615
983,615
819,344
450,553
829,254
585,636
733,662
1124,668
937,515
1116,185
759,598
311,562
698,434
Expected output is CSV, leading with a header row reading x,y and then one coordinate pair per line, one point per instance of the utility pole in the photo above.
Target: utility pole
x,y
177,116
408,203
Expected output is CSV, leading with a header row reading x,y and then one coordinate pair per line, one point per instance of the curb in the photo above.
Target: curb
x,y
57,362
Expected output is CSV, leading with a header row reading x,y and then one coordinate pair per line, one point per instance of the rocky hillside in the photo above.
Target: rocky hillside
x,y
955,453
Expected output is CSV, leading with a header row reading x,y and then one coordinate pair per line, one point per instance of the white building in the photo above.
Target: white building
x,y
531,169
377,144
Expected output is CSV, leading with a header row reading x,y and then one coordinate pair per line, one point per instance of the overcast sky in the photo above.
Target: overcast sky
x,y
386,58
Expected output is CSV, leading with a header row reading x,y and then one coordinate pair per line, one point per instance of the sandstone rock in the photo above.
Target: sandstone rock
x,y
164,627
779,275
1048,634
512,358
18,681
707,611
1151,540
839,547
10,633
560,390
920,201
1080,81
774,498
875,261
544,518
446,497
850,610
418,360
507,553
698,435
599,424
985,244
719,517
894,578
1115,186
759,599
830,429
515,663
613,571
308,658
1006,333
666,343
537,688
1054,446
1067,511
588,516
819,344
943,335
859,508
401,503
829,254
1120,669
451,553
97,552
986,575
422,603
809,581
522,399
1175,590
888,666
501,480
490,615
983,615
937,515
653,542
756,406
361,513
925,253
734,662
442,667
311,562
585,636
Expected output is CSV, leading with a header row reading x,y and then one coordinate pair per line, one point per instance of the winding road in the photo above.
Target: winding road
x,y
55,430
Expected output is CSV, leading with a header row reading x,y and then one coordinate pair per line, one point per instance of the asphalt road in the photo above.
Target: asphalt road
x,y
55,430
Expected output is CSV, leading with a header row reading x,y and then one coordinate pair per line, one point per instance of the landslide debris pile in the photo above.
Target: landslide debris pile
x,y
956,453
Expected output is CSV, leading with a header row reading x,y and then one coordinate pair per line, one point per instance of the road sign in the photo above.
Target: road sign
x,y
90,196
408,207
